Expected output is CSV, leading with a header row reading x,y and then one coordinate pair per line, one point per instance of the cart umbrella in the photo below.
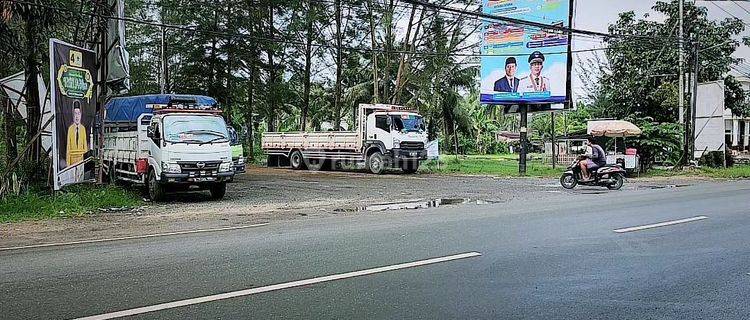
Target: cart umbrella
x,y
612,128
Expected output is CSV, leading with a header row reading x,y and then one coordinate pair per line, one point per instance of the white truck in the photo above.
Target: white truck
x,y
385,136
167,143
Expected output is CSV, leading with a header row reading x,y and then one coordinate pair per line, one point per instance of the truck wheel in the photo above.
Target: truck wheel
x,y
218,190
410,166
155,189
376,163
297,161
316,164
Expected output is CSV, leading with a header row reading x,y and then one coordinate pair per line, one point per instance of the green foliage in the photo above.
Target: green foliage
x,y
503,165
639,78
716,159
735,98
659,141
74,201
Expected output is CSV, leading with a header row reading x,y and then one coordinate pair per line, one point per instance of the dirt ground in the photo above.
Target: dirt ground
x,y
265,195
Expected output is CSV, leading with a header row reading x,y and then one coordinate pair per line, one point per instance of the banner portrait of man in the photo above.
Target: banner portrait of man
x,y
72,71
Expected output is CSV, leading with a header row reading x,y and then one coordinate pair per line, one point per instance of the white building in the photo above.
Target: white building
x,y
737,129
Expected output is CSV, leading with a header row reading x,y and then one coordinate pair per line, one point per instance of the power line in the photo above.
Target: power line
x,y
729,13
515,21
741,7
286,41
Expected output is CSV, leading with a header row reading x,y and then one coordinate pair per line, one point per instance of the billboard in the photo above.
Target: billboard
x,y
72,72
522,64
709,118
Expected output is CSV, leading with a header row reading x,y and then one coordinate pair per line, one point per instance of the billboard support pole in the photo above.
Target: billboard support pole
x,y
694,99
524,145
554,146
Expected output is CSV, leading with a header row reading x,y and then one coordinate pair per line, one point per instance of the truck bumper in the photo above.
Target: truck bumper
x,y
409,154
239,168
186,178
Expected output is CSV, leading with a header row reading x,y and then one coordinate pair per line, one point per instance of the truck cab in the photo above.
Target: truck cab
x,y
177,143
238,151
400,135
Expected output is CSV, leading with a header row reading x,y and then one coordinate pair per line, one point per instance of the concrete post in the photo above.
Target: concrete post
x,y
735,132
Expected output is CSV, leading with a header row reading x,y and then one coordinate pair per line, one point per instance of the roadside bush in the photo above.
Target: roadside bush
x,y
661,141
715,159
72,201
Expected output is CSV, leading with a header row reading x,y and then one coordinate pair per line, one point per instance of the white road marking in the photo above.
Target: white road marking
x,y
131,237
280,286
661,224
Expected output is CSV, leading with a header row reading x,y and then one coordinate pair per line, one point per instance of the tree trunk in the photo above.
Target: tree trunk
x,y
230,56
308,64
388,46
375,94
9,129
32,94
408,58
249,138
397,94
212,87
271,116
339,67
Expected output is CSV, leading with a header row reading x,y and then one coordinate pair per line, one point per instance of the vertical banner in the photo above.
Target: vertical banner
x,y
522,64
72,71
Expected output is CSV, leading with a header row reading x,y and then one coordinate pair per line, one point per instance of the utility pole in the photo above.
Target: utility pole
x,y
163,54
694,98
554,145
689,121
681,97
524,145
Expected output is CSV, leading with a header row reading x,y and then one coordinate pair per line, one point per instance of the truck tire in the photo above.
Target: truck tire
x,y
218,190
376,163
410,166
297,161
155,189
317,164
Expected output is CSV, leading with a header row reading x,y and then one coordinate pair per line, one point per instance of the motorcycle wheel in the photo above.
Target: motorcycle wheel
x,y
619,181
568,181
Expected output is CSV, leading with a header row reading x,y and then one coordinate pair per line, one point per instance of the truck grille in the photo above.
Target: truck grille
x,y
187,166
412,145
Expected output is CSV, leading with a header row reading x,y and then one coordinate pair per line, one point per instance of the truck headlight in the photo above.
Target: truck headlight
x,y
396,143
225,166
171,167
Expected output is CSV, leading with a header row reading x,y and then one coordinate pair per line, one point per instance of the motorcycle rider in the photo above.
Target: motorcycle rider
x,y
594,160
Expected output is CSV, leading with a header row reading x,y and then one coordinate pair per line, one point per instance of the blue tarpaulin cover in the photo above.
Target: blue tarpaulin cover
x,y
128,109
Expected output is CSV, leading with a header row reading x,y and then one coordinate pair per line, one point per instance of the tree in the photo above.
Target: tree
x,y
28,24
641,77
735,98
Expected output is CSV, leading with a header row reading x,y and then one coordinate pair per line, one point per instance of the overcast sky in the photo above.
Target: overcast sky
x,y
597,15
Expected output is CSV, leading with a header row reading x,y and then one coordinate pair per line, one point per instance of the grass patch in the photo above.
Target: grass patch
x,y
735,172
505,165
73,202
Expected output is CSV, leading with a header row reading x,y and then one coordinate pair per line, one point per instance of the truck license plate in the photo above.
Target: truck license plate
x,y
412,154
203,179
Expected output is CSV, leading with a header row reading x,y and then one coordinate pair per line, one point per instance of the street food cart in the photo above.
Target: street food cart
x,y
617,129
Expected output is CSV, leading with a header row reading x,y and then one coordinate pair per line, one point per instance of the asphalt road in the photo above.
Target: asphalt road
x,y
553,258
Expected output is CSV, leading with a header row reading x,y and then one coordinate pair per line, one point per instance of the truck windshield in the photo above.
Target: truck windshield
x,y
195,129
408,123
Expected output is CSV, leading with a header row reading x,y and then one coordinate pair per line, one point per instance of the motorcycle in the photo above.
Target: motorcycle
x,y
610,176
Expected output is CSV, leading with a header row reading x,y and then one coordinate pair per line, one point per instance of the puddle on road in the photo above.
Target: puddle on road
x,y
420,204
668,186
